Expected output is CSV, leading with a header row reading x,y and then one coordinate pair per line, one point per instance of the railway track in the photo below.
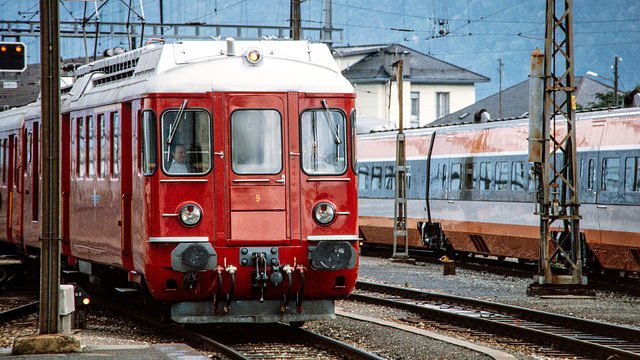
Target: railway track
x,y
272,341
579,336
18,311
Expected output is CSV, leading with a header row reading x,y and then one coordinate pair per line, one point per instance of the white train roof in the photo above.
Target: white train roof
x,y
203,66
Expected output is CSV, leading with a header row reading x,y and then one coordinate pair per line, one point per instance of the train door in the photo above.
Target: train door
x,y
257,169
11,181
18,150
123,127
31,181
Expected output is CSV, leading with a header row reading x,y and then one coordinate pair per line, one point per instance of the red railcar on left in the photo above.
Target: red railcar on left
x,y
220,174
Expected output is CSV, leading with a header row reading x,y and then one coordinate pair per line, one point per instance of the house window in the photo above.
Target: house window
x,y
415,108
442,104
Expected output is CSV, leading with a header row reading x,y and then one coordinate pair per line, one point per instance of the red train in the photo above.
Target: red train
x,y
481,188
219,174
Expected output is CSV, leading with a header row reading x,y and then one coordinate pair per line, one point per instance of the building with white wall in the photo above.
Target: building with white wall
x,y
431,88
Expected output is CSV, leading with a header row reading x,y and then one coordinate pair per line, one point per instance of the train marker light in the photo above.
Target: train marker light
x,y
253,56
13,57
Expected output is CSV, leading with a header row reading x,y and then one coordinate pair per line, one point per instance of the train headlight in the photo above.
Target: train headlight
x,y
253,56
324,213
190,215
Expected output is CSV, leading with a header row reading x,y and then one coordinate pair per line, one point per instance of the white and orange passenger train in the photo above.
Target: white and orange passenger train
x,y
482,191
220,174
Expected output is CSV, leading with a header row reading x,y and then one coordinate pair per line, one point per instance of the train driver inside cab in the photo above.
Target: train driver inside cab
x,y
179,163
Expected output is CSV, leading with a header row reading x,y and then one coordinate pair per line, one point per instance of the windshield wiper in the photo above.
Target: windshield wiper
x,y
336,135
174,127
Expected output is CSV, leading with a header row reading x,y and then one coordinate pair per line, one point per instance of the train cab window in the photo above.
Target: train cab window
x,y
485,173
363,178
376,178
502,175
469,176
632,174
517,176
149,142
610,174
256,142
456,169
81,148
114,156
186,145
389,178
354,158
323,139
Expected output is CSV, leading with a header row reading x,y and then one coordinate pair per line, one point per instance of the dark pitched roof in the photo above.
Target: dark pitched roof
x,y
515,102
422,68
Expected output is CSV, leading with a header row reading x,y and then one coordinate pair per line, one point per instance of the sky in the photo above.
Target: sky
x,y
481,34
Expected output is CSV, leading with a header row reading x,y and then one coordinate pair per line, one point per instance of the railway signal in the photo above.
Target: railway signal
x,y
13,57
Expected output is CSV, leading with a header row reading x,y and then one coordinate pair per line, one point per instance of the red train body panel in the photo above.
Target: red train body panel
x,y
251,227
482,191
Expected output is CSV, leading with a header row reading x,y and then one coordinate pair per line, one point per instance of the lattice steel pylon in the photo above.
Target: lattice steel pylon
x,y
555,158
400,204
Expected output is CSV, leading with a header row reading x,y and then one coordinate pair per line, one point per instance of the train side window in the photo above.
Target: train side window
x,y
91,156
102,146
407,177
485,176
592,174
444,177
517,176
81,147
363,177
470,176
256,142
389,178
323,142
502,175
456,169
149,142
354,158
3,147
632,174
533,177
376,178
114,156
610,174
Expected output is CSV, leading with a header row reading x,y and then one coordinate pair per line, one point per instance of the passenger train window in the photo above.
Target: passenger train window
x,y
389,178
470,176
323,139
376,178
592,174
102,146
444,176
363,178
485,173
456,169
632,174
256,142
407,177
610,174
502,175
149,142
91,156
186,145
115,146
533,177
517,176
81,148
3,162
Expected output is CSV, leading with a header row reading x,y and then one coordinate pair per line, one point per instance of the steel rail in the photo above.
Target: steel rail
x,y
335,346
19,311
579,335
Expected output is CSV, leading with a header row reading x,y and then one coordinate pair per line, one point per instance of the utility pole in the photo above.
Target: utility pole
x,y
552,138
50,110
615,81
400,204
500,92
327,34
296,19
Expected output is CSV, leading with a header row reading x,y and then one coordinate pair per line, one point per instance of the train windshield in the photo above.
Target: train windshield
x,y
256,142
189,151
323,139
